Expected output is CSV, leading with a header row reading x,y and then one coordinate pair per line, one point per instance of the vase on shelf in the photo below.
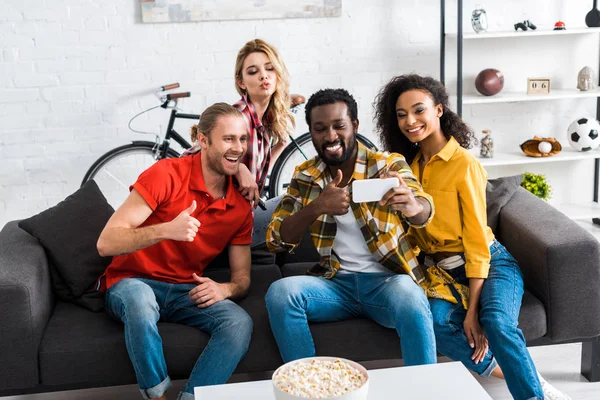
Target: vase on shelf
x,y
487,145
592,19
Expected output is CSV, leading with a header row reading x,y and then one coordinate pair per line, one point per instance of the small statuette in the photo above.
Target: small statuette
x,y
487,144
479,19
585,79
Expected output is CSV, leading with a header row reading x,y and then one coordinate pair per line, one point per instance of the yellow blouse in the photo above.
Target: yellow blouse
x,y
456,181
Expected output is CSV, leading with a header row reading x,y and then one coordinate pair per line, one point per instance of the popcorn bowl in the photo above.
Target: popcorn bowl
x,y
329,378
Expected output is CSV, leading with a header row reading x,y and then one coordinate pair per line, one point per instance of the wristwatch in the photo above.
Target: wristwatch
x,y
479,19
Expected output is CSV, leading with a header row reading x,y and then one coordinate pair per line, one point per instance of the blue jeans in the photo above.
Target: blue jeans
x,y
392,300
500,303
141,303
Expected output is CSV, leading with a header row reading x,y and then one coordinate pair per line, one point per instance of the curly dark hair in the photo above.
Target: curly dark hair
x,y
331,96
386,123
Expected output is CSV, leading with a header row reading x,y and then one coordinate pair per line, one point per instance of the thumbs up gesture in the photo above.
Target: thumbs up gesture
x,y
184,227
401,198
334,200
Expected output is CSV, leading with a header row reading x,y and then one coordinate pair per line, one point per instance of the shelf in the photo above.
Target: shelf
x,y
519,34
517,157
577,211
507,97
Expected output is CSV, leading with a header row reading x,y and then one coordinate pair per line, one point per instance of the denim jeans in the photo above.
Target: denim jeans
x,y
500,303
392,300
141,303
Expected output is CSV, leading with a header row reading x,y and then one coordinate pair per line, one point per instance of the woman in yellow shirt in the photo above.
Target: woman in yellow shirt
x,y
472,280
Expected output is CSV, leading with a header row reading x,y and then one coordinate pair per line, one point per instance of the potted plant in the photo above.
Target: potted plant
x,y
537,185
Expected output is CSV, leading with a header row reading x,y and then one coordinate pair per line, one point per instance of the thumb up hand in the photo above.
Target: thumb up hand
x,y
184,226
334,200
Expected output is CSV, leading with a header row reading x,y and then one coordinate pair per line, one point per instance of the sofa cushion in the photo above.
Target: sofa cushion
x,y
498,192
69,232
532,317
298,268
358,339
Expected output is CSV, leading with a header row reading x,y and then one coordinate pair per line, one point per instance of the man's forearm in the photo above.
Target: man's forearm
x,y
293,227
421,217
237,289
118,241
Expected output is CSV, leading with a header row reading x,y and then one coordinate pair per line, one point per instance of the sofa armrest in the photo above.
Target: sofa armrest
x,y
26,303
560,262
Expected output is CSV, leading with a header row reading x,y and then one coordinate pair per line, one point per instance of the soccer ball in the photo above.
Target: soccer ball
x,y
584,134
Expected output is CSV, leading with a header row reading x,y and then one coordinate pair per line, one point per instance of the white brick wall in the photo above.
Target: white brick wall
x,y
72,73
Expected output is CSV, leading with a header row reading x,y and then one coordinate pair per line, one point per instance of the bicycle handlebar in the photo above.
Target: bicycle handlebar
x,y
179,95
169,86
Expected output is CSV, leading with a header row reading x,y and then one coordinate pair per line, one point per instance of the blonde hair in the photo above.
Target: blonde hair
x,y
209,117
278,112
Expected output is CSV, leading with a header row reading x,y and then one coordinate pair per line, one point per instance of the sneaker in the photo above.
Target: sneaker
x,y
550,392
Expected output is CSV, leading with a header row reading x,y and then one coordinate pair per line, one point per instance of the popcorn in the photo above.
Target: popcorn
x,y
318,379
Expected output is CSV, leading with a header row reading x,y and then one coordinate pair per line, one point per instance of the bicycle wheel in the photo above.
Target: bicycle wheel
x,y
119,168
283,170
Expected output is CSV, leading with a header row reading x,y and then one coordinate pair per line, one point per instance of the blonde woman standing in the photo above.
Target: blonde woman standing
x,y
262,79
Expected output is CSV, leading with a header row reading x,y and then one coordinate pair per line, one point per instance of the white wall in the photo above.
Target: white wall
x,y
72,73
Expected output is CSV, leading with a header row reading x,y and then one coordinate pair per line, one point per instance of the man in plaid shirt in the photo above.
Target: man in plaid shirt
x,y
367,267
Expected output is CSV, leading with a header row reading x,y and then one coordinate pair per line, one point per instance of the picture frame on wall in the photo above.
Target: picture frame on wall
x,y
156,11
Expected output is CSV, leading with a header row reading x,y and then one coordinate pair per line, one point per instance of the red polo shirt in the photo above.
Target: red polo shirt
x,y
169,187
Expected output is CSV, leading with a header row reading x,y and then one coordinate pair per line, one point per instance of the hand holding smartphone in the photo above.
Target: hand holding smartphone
x,y
368,190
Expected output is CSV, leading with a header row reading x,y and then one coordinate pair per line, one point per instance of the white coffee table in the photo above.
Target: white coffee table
x,y
448,381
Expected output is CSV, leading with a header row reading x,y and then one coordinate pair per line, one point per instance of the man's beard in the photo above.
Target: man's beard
x,y
215,163
346,152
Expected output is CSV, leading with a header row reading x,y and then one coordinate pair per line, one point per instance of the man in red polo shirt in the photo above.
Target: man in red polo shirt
x,y
181,213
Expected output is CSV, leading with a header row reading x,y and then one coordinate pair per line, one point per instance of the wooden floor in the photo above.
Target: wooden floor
x,y
558,364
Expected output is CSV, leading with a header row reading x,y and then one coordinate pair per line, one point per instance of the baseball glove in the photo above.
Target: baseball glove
x,y
531,147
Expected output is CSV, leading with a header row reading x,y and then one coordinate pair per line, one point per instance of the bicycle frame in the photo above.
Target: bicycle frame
x,y
172,133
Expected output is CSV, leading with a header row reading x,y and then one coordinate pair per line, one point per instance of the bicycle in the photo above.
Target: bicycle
x,y
120,167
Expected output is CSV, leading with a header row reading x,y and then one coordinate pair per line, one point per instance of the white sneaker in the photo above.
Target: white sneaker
x,y
550,392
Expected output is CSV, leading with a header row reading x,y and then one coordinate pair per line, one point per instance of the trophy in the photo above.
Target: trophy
x,y
479,19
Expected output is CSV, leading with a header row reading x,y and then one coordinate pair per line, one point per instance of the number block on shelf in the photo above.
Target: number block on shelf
x,y
538,85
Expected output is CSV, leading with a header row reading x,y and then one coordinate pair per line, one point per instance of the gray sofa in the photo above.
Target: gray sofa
x,y
47,344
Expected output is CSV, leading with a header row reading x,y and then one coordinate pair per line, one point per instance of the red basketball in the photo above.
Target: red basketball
x,y
489,82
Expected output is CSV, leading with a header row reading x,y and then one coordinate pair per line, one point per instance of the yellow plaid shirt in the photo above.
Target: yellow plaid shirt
x,y
384,230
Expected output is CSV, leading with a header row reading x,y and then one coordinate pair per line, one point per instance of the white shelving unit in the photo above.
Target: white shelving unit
x,y
518,158
580,211
521,34
507,97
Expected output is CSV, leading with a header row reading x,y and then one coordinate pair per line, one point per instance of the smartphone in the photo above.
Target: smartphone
x,y
366,190
262,205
